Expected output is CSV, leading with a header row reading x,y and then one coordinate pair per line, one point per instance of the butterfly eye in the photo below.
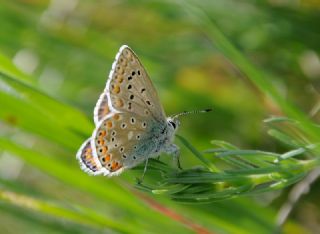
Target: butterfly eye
x,y
173,124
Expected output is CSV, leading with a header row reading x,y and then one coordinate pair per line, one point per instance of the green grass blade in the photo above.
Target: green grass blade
x,y
80,215
205,161
261,80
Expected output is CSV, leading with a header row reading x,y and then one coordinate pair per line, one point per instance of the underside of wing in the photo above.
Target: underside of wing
x,y
130,87
118,139
124,115
87,159
102,108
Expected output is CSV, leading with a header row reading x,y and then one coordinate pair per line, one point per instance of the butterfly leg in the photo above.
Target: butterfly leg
x,y
144,172
175,151
176,157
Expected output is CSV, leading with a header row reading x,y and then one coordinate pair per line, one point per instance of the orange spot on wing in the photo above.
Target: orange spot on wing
x,y
120,70
116,89
109,124
116,117
102,133
108,157
103,150
119,102
100,141
105,110
115,166
89,150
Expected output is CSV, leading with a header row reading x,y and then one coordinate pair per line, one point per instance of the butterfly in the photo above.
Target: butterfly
x,y
130,123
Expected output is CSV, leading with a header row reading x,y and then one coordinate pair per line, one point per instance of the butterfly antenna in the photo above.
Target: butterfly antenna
x,y
191,112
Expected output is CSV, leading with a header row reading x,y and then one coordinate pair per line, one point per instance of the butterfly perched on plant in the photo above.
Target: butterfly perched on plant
x,y
131,126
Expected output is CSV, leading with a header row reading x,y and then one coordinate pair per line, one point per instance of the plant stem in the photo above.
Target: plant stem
x,y
205,161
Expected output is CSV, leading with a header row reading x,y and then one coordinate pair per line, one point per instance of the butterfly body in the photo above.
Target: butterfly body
x,y
159,139
131,125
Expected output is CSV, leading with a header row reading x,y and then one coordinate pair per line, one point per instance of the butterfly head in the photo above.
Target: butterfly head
x,y
173,124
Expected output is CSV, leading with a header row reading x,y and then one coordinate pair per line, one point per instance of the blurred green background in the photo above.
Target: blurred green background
x,y
54,60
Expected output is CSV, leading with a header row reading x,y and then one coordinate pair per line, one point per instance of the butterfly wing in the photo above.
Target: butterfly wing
x,y
124,115
130,88
88,160
102,108
122,141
